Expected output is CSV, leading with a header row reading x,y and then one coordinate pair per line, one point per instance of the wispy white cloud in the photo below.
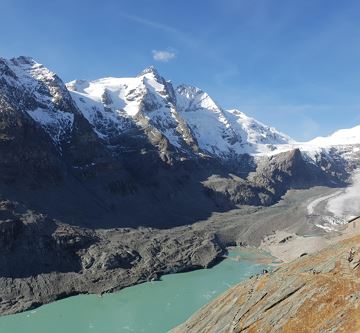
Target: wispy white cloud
x,y
178,34
163,55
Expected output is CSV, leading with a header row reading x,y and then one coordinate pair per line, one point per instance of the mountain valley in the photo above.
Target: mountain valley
x,y
113,182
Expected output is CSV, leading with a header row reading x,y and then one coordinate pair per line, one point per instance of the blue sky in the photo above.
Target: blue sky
x,y
294,65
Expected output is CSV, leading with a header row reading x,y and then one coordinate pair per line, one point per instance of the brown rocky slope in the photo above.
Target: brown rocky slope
x,y
315,293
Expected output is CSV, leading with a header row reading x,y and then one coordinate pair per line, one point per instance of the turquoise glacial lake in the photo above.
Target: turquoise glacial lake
x,y
153,307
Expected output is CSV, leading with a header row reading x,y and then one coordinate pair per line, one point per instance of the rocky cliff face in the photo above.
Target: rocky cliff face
x,y
315,293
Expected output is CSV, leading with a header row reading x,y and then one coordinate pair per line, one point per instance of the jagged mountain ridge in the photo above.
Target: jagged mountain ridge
x,y
187,116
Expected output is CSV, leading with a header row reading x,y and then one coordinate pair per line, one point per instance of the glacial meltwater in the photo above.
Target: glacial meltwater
x,y
153,307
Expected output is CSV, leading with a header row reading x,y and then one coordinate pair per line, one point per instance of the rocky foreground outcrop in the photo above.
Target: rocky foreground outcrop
x,y
315,293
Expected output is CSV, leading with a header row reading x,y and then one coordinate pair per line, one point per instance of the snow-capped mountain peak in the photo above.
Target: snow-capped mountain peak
x,y
186,116
41,94
115,105
257,132
150,72
35,77
224,132
192,98
24,61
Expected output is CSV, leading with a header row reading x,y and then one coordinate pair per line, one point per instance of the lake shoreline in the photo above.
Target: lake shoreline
x,y
152,307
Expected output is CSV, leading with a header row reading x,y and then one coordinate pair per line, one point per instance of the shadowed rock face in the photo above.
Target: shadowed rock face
x,y
315,293
26,152
32,244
